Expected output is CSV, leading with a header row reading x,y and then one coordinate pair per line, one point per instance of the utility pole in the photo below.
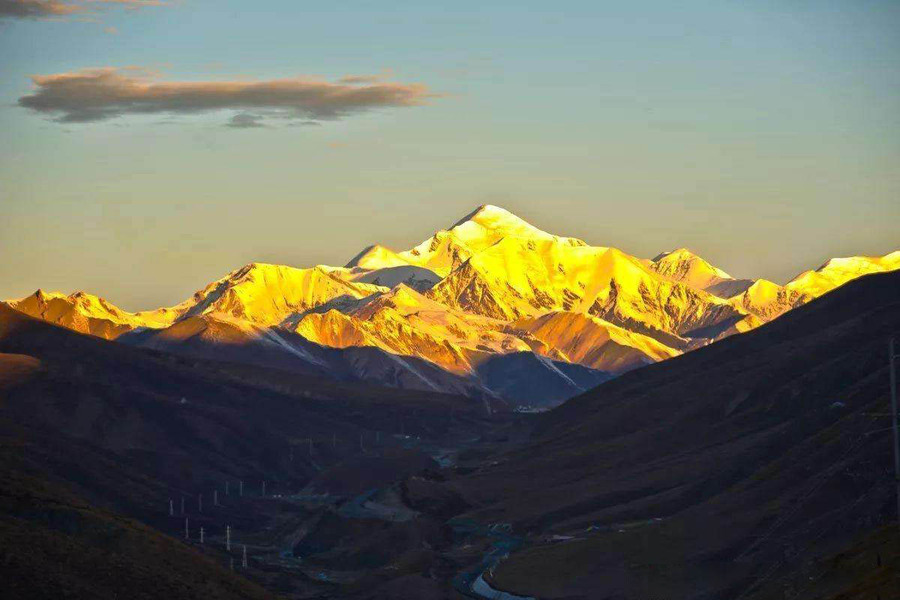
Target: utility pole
x,y
201,535
896,426
228,538
187,534
244,561
171,508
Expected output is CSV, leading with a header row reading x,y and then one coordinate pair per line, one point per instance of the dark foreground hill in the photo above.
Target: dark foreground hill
x,y
734,471
56,545
191,422
98,437
758,467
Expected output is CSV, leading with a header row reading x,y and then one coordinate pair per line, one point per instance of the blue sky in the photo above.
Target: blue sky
x,y
765,136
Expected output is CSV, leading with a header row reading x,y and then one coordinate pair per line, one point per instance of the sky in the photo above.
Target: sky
x,y
149,147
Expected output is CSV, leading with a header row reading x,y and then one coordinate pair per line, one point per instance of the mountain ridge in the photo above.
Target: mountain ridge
x,y
490,284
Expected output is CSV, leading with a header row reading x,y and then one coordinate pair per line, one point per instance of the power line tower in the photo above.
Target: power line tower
x,y
892,356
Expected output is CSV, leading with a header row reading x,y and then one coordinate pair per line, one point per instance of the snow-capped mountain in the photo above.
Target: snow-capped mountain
x,y
448,249
267,295
462,310
684,266
87,313
769,300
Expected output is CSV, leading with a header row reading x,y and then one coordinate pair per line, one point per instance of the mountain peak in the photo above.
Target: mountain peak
x,y
487,212
487,224
376,256
40,294
838,271
862,263
678,253
683,265
495,218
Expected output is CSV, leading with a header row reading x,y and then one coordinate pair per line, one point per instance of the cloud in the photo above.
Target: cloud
x,y
245,121
129,3
358,79
39,9
105,93
35,9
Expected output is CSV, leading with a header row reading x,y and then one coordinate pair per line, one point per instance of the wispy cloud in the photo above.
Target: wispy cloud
x,y
358,79
245,121
91,95
129,3
42,9
35,9
353,79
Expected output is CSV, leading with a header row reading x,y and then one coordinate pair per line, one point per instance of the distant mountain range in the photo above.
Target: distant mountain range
x,y
491,307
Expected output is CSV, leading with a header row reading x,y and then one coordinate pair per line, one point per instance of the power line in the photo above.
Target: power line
x,y
779,563
892,355
817,483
